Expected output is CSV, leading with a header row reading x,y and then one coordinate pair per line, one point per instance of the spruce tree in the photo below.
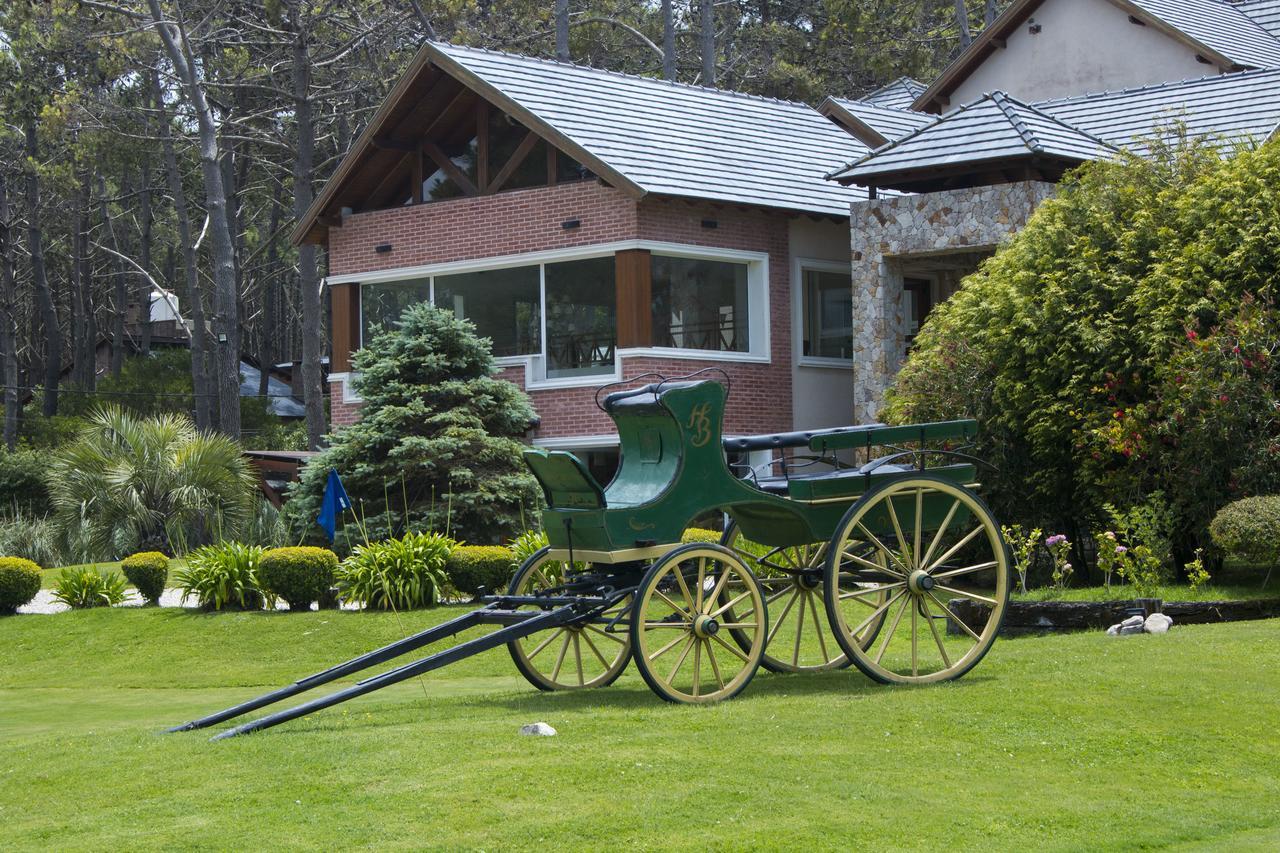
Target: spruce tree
x,y
437,446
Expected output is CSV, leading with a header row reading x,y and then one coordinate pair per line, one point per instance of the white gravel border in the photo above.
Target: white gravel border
x,y
45,604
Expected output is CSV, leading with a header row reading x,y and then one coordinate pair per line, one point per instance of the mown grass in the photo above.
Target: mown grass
x,y
1234,582
1070,742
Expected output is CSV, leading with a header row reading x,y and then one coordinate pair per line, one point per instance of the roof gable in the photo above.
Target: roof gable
x,y
871,123
994,128
896,95
1214,29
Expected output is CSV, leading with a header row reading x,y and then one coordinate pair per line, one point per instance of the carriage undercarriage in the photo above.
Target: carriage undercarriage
x,y
828,563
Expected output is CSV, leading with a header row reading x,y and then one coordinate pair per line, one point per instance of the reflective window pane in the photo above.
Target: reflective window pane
x,y
382,304
503,305
581,318
699,304
828,314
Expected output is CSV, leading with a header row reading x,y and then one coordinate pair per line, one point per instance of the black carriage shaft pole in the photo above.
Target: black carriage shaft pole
x,y
549,619
377,656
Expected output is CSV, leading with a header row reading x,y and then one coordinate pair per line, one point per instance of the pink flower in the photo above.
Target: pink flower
x,y
1120,549
1056,539
1191,334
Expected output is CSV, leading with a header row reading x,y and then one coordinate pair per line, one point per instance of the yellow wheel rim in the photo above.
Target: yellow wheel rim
x,y
800,636
902,557
687,604
574,657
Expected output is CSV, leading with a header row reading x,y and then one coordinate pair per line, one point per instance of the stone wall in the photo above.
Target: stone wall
x,y
885,232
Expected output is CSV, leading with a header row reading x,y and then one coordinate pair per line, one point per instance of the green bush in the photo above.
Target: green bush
x,y
1120,344
299,575
19,583
700,534
22,484
439,439
34,537
398,574
223,577
88,587
471,567
1249,530
147,571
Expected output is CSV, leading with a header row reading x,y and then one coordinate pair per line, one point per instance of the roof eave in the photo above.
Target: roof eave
x,y
861,131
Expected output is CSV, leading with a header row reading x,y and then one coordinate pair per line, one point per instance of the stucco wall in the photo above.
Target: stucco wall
x,y
1083,46
821,394
885,232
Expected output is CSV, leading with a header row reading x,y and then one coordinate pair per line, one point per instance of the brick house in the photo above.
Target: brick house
x,y
599,226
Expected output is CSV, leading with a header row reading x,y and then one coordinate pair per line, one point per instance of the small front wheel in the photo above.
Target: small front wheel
x,y
686,605
574,657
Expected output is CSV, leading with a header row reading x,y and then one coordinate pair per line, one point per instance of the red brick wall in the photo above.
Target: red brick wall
x,y
484,226
529,221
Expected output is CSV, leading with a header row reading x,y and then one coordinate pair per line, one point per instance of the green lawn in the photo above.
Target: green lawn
x,y
1071,742
49,577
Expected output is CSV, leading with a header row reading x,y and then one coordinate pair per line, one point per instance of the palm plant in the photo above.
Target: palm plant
x,y
149,483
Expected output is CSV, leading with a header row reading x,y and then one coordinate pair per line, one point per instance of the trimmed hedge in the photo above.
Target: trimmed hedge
x,y
1249,529
299,575
148,571
471,567
19,583
700,534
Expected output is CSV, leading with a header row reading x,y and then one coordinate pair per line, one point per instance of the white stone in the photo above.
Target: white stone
x,y
1157,623
1132,625
538,730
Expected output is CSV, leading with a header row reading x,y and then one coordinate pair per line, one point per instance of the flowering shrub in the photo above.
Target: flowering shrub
x,y
1111,554
1022,545
1059,548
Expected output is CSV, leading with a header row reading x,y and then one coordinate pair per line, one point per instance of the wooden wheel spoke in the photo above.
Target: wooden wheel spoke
x,y
884,549
548,641
674,606
888,638
577,656
858,593
684,587
942,650
564,649
739,625
768,599
606,635
785,610
739,598
875,567
897,531
731,648
817,626
591,645
956,547
697,667
715,666
702,578
977,567
546,581
915,548
972,596
668,647
881,609
951,616
684,653
915,657
937,537
795,655
658,626
718,588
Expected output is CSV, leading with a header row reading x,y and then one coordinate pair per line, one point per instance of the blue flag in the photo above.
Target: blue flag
x,y
335,503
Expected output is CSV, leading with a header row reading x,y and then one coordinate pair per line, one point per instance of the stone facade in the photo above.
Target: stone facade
x,y
885,233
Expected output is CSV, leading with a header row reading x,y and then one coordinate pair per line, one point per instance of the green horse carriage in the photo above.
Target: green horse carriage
x,y
844,546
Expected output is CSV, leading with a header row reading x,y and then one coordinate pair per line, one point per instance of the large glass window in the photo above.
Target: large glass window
x,y
828,314
503,304
382,304
700,304
581,317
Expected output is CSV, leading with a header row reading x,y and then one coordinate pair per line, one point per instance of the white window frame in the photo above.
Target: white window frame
x,y
798,267
534,364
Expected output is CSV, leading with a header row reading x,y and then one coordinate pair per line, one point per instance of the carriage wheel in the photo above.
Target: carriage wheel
x,y
685,605
573,657
907,551
792,579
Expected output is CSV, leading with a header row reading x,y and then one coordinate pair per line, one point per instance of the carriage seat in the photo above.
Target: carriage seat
x,y
778,484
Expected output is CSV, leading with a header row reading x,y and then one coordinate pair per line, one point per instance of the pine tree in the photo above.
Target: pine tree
x,y
437,444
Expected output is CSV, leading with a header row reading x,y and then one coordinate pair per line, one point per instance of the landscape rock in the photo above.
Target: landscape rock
x,y
1132,625
538,730
1157,623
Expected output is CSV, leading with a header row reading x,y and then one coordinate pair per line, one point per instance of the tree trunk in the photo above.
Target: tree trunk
x,y
120,294
200,385
78,274
144,258
266,354
226,325
707,41
40,279
668,41
87,344
989,13
8,320
562,30
962,23
308,274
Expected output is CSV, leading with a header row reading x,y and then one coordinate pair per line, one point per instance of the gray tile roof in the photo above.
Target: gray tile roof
x,y
897,95
995,127
1218,26
1231,106
678,140
1265,12
889,122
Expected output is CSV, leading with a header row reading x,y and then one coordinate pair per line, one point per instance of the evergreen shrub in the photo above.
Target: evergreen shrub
x,y
471,567
19,583
148,571
299,575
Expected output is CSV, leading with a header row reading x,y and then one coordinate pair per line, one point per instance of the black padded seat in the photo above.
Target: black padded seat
x,y
777,484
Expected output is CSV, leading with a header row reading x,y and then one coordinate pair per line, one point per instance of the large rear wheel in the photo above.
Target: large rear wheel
x,y
574,657
904,553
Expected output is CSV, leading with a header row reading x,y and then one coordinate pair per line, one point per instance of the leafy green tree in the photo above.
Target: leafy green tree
x,y
130,483
437,444
1122,344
